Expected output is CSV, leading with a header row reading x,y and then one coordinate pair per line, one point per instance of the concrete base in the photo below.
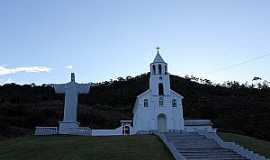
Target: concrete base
x,y
68,127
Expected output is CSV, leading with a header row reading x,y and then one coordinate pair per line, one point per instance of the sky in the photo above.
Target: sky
x,y
42,41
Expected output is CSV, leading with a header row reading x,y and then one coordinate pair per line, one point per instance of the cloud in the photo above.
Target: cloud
x,y
32,69
69,67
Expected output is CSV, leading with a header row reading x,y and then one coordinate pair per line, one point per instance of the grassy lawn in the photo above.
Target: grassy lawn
x,y
84,148
2,138
257,145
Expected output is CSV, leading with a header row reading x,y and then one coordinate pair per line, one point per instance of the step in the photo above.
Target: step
x,y
204,151
216,158
198,147
209,154
196,143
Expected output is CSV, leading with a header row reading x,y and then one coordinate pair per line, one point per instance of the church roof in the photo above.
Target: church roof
x,y
158,59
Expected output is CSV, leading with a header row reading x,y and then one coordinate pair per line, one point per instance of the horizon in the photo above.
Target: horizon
x,y
44,41
253,83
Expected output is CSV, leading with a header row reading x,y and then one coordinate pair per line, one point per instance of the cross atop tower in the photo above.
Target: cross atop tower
x,y
158,48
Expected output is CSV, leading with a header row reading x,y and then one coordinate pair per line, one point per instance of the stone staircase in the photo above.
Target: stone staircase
x,y
193,146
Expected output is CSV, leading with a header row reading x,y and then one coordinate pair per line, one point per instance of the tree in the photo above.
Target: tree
x,y
187,77
259,85
207,82
120,79
265,85
128,77
194,78
256,79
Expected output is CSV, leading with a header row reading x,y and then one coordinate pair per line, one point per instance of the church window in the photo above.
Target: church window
x,y
161,103
145,103
166,69
154,69
160,89
174,103
159,69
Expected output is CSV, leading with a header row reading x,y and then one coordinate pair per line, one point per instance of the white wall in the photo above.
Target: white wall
x,y
107,132
110,132
145,119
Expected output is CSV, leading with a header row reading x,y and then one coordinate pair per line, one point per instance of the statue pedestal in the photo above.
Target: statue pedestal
x,y
68,127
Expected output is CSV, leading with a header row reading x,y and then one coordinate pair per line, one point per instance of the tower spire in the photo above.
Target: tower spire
x,y
158,58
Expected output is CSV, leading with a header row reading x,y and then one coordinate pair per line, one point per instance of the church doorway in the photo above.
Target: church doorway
x,y
162,123
126,127
126,130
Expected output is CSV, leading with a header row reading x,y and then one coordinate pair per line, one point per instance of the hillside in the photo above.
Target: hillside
x,y
237,108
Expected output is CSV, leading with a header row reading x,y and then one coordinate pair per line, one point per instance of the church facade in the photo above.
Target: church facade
x,y
159,108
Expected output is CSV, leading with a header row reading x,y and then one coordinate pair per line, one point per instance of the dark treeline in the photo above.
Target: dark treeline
x,y
233,107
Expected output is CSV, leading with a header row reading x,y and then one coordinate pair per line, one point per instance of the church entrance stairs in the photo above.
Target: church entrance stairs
x,y
195,146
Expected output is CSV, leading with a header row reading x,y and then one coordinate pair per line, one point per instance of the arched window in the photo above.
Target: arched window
x,y
174,103
159,69
160,89
145,103
154,69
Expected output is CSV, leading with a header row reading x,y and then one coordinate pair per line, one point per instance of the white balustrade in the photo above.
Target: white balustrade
x,y
45,131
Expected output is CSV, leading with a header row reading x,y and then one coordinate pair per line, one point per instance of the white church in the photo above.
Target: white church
x,y
159,109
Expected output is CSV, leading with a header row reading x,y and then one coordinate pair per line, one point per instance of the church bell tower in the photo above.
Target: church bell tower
x,y
159,77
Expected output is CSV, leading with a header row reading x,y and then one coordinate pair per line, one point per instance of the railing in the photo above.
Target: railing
x,y
232,146
77,131
84,131
45,131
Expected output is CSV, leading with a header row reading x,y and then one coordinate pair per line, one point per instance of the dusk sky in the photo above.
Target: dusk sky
x,y
42,41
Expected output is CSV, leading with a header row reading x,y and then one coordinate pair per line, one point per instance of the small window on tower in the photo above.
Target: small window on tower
x,y
145,103
154,69
166,70
174,103
160,89
159,69
161,102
